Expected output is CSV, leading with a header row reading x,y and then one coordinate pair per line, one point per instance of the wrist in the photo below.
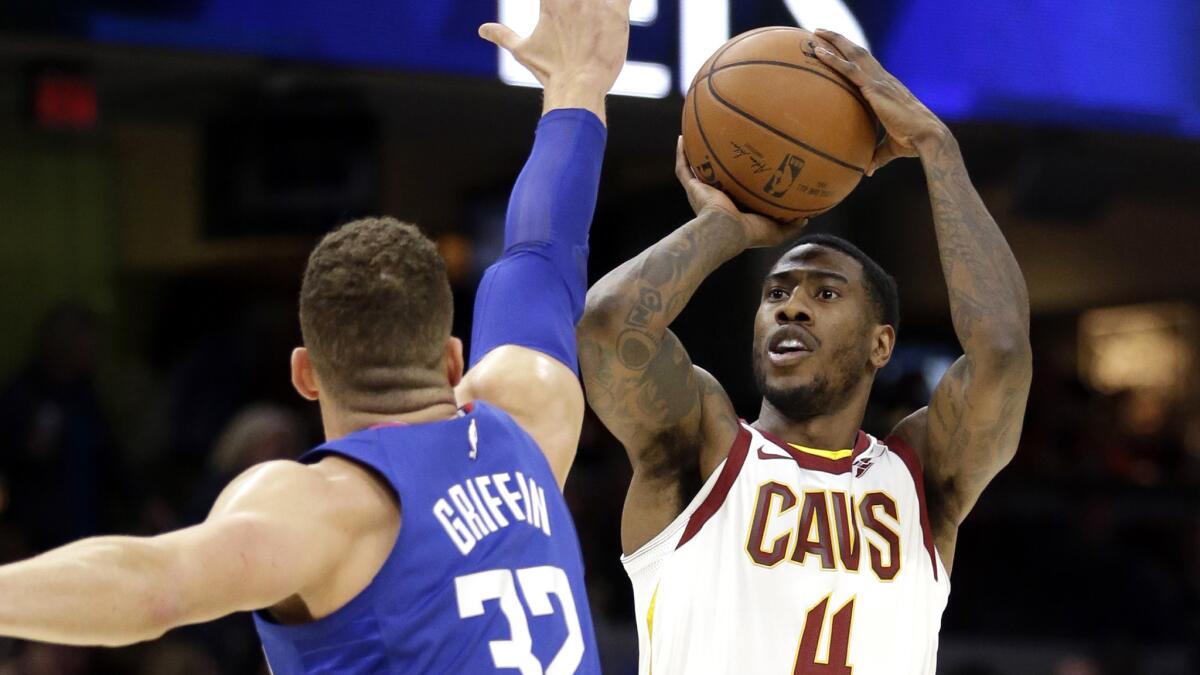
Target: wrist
x,y
574,93
934,140
730,226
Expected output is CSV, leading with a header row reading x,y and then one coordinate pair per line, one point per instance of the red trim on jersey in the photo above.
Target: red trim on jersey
x,y
729,473
816,462
913,462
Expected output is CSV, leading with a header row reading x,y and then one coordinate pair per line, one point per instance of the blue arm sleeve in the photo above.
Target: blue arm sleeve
x,y
533,295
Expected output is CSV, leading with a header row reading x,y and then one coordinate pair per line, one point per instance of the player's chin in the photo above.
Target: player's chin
x,y
783,374
789,378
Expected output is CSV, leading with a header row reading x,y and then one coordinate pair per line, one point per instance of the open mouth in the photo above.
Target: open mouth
x,y
788,347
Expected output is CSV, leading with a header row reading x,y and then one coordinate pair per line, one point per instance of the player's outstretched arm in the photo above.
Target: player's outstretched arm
x,y
267,539
523,352
669,415
970,430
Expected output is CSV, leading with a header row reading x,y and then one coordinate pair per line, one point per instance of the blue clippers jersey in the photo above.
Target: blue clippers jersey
x,y
486,575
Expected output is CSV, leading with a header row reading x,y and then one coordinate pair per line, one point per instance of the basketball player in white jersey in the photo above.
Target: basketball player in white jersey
x,y
797,543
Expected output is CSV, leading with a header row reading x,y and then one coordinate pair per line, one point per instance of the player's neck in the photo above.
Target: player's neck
x,y
833,431
419,407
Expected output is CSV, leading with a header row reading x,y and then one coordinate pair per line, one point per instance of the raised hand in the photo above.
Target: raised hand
x,y
576,50
760,231
907,121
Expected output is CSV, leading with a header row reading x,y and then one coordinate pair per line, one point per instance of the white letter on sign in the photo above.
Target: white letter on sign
x,y
637,78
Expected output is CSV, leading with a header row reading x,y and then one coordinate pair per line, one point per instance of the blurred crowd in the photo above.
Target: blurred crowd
x,y
1089,544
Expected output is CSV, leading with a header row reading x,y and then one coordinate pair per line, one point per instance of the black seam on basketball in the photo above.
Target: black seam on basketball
x,y
717,57
795,66
713,153
849,90
713,90
748,34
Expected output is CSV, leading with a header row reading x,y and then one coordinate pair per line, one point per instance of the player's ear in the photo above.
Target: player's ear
x,y
883,340
455,365
304,378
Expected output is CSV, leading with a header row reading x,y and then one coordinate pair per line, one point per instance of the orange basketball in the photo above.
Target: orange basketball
x,y
777,130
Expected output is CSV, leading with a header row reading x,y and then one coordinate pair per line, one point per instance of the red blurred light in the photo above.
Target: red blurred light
x,y
65,102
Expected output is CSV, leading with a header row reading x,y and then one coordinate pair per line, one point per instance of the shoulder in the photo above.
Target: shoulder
x,y
912,432
517,379
540,393
273,480
334,489
719,426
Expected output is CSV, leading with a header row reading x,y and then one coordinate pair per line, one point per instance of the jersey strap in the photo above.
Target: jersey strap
x,y
729,473
906,454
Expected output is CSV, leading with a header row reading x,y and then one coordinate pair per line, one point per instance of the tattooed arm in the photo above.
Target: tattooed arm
x,y
970,430
675,421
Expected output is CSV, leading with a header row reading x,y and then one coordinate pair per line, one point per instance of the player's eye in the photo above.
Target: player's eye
x,y
828,294
776,294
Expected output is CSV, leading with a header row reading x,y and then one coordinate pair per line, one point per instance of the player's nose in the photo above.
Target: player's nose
x,y
795,310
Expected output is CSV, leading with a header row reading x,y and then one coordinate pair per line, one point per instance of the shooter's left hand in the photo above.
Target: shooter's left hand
x,y
909,124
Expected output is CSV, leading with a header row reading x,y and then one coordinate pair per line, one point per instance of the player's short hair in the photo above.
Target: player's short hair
x,y
881,287
374,304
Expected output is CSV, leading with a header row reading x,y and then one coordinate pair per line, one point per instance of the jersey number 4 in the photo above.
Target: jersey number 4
x,y
537,585
839,641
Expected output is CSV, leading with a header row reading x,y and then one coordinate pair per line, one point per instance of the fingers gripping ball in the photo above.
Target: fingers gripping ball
x,y
775,128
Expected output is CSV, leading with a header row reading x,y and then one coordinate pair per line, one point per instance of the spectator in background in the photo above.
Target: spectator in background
x,y
233,362
58,455
258,433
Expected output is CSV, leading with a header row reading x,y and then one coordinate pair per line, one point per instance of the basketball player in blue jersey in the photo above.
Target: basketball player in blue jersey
x,y
429,534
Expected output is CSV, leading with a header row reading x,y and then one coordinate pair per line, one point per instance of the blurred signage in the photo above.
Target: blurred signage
x,y
1136,347
62,99
1104,64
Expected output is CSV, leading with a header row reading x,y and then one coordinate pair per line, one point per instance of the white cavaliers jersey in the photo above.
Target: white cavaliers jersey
x,y
795,561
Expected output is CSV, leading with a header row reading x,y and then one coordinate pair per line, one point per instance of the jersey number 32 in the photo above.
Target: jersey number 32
x,y
537,585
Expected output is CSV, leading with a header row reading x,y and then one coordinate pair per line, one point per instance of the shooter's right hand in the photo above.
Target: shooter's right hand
x,y
760,231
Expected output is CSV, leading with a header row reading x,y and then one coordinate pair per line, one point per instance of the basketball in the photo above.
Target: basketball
x,y
775,128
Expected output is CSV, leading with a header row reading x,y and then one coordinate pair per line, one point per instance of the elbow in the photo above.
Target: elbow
x,y
148,619
157,610
1008,354
601,315
1012,347
162,601
526,381
162,611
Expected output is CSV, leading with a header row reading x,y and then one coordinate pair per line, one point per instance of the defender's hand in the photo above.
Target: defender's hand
x,y
907,121
760,231
577,44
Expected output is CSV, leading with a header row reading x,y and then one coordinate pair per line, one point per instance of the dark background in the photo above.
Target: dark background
x,y
152,256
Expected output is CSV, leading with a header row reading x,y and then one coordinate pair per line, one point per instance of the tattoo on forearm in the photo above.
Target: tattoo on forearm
x,y
639,378
973,426
987,290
